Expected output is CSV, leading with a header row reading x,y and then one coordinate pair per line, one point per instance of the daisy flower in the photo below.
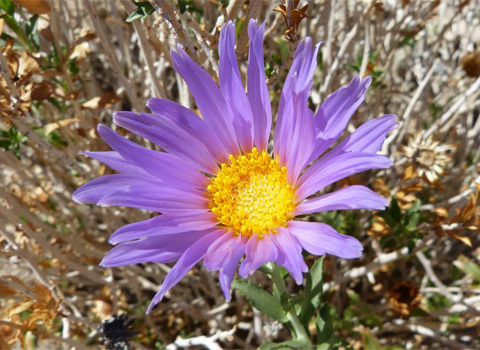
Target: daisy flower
x,y
223,195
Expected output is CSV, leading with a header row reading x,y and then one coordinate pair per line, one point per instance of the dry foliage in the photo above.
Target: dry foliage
x,y
68,65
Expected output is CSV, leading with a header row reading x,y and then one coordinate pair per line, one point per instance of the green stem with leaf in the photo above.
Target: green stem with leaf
x,y
297,326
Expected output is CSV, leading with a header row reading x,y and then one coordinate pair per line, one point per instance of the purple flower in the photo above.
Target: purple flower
x,y
222,196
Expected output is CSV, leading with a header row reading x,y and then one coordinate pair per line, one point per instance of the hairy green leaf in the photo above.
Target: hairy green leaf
x,y
261,299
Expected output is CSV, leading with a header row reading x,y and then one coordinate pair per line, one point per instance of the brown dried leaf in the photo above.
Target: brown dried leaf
x,y
381,188
60,124
283,10
101,102
6,290
413,188
4,344
50,73
379,228
468,211
85,36
441,212
102,309
27,66
405,200
293,19
45,309
465,240
8,336
38,7
40,194
42,291
43,27
409,173
297,16
2,23
351,180
474,223
36,92
19,308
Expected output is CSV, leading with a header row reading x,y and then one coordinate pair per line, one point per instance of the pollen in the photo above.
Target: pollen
x,y
250,194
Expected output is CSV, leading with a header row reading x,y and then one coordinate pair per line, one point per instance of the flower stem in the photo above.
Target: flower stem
x,y
291,315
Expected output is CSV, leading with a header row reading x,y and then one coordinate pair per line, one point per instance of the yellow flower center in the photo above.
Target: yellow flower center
x,y
250,194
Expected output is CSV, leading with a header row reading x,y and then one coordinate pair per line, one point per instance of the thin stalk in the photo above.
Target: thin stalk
x,y
292,317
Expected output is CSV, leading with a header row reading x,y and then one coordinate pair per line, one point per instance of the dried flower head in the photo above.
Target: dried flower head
x,y
116,332
404,297
426,158
292,17
466,219
223,195
471,64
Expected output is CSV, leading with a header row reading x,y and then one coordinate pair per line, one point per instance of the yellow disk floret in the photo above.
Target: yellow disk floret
x,y
250,194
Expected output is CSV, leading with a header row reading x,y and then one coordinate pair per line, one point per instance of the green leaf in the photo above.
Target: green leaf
x,y
143,10
261,299
418,312
268,69
324,325
239,26
7,12
323,346
266,269
415,206
410,245
11,140
334,342
313,291
31,28
369,342
413,221
12,23
386,215
8,6
291,344
395,210
188,5
53,137
470,268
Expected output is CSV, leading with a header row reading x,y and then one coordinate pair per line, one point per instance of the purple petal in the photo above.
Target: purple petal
x,y
191,123
319,239
290,254
295,143
299,77
230,264
160,249
167,167
192,255
294,131
258,95
257,252
168,136
333,115
232,88
115,161
323,173
208,97
163,225
219,251
367,138
140,192
224,254
352,197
